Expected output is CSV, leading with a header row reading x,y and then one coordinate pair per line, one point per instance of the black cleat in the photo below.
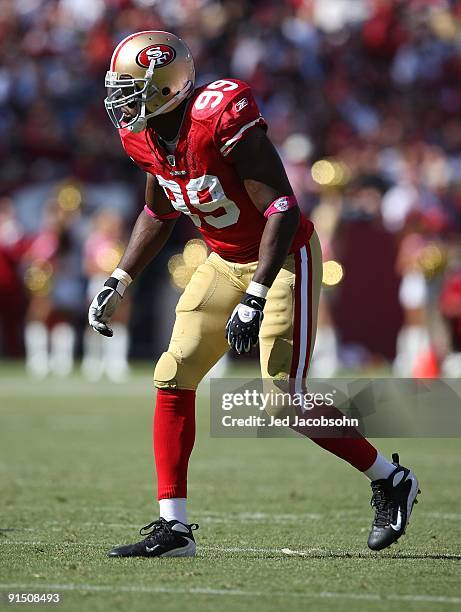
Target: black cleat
x,y
393,499
166,539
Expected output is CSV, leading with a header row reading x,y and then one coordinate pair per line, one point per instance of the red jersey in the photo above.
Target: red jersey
x,y
199,177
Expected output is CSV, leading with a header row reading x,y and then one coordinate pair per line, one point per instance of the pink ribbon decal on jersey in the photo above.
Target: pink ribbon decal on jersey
x,y
281,205
173,215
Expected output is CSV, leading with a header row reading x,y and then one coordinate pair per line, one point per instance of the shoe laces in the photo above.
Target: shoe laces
x,y
162,527
382,502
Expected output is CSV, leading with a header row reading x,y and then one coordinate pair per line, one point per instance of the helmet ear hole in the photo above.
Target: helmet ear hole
x,y
166,91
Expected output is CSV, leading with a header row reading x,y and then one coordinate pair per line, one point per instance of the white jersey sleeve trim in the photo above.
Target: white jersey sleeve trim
x,y
229,144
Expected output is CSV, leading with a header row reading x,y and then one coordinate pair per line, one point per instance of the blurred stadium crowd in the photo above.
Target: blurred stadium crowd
x,y
363,102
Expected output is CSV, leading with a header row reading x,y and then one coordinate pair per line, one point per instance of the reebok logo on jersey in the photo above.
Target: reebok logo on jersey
x,y
281,204
240,105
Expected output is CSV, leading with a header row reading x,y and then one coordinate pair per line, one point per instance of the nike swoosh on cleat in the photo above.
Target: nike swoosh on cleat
x,y
397,526
149,550
398,478
180,528
413,493
183,551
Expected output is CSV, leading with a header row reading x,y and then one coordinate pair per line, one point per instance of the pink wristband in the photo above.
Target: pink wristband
x,y
281,205
151,213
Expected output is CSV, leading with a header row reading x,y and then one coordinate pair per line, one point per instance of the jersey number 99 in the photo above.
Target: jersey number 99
x,y
206,194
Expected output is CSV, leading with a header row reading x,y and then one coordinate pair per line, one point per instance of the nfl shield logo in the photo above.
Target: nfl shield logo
x,y
171,160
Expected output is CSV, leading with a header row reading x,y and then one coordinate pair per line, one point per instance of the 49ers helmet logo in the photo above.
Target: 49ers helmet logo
x,y
162,54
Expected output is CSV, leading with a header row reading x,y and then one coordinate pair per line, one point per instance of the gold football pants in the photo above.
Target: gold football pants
x,y
287,334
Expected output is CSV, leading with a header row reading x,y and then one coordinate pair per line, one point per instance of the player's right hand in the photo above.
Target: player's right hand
x,y
243,325
104,305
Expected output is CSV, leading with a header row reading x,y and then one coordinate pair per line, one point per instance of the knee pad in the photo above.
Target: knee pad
x,y
166,371
279,358
174,371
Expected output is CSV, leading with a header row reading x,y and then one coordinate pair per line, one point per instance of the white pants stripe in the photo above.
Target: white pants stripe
x,y
303,330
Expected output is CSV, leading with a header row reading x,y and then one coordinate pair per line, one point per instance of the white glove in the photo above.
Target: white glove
x,y
104,305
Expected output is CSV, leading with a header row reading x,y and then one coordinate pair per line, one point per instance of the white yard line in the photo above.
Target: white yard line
x,y
136,387
47,543
41,587
203,517
222,549
211,518
283,552
252,516
132,392
444,516
230,517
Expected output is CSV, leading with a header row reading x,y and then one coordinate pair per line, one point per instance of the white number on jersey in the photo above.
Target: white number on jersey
x,y
207,186
212,97
223,84
173,192
212,185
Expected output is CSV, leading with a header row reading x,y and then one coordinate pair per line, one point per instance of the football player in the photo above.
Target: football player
x,y
206,155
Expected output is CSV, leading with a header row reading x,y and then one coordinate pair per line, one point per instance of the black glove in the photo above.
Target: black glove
x,y
242,329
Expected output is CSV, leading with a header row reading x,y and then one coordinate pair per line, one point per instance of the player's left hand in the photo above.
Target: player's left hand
x,y
242,329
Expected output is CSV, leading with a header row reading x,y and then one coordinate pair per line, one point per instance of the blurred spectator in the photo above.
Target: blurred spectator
x,y
54,282
450,306
365,309
13,301
350,88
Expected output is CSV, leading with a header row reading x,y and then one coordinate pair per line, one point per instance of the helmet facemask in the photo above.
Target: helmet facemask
x,y
124,91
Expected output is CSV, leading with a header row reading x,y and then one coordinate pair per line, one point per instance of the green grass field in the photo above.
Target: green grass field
x,y
76,479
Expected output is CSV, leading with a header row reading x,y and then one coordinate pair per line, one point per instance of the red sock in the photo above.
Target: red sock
x,y
349,444
356,451
174,436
